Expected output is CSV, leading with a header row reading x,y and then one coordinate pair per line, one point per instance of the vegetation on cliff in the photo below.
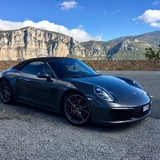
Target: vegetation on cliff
x,y
151,54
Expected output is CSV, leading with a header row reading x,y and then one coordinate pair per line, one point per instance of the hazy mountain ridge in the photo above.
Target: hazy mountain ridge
x,y
32,42
129,47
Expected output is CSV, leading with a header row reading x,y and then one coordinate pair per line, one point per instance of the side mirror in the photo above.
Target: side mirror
x,y
44,75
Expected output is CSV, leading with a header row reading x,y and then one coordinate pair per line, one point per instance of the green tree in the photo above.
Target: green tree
x,y
151,54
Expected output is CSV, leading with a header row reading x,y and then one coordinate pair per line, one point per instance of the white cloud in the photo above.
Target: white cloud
x,y
78,34
150,16
155,24
68,5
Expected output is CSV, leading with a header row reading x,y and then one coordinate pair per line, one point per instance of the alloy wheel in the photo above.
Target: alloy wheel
x,y
77,109
5,91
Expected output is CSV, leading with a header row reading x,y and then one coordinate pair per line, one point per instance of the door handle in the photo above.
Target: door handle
x,y
25,80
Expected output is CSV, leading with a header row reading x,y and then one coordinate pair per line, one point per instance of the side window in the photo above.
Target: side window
x,y
35,67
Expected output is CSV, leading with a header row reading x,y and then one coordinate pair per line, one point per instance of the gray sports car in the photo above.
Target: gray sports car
x,y
69,86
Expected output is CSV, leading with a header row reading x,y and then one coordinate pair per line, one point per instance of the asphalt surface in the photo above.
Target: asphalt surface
x,y
28,133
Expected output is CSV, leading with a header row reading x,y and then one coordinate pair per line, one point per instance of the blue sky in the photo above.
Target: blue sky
x,y
84,20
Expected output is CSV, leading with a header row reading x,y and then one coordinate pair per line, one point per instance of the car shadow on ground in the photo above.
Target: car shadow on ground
x,y
30,114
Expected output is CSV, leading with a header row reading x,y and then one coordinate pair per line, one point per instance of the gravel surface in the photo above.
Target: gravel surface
x,y
28,133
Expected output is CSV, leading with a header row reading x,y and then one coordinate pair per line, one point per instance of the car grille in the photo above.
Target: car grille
x,y
128,114
141,113
121,114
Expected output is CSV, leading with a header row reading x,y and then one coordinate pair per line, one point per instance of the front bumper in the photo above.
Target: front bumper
x,y
119,115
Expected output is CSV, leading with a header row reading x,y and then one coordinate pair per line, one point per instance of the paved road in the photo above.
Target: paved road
x,y
28,133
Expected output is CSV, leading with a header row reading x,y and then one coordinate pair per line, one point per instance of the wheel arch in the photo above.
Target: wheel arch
x,y
4,78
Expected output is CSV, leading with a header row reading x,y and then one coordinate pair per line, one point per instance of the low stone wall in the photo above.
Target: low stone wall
x,y
124,65
150,65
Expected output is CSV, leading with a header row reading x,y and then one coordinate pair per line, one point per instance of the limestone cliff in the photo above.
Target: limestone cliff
x,y
31,42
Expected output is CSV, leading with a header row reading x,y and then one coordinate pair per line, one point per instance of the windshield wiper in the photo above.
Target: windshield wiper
x,y
76,76
80,76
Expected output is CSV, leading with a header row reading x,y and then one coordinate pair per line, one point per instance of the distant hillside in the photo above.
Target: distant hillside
x,y
129,47
32,42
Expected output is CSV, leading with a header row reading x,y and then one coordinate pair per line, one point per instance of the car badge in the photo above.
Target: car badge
x,y
134,93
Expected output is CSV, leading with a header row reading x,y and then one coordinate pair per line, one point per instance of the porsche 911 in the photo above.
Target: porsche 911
x,y
72,88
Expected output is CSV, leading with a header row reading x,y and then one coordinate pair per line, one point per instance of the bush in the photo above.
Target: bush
x,y
151,54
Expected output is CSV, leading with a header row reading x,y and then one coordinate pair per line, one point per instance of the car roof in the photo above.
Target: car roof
x,y
20,65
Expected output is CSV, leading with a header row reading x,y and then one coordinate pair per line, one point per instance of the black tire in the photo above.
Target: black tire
x,y
5,91
76,109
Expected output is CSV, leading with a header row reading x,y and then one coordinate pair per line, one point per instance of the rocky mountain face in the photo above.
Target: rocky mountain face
x,y
128,48
31,42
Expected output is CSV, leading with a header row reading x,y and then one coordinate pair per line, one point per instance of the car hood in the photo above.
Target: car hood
x,y
119,88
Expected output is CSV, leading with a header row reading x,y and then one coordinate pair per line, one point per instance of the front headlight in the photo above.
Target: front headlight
x,y
103,94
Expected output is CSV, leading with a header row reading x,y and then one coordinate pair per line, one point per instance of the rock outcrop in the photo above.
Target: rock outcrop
x,y
31,42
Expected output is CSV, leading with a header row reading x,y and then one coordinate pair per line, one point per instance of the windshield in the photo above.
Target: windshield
x,y
71,68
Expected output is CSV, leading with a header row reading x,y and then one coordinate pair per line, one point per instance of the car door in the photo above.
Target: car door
x,y
37,91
